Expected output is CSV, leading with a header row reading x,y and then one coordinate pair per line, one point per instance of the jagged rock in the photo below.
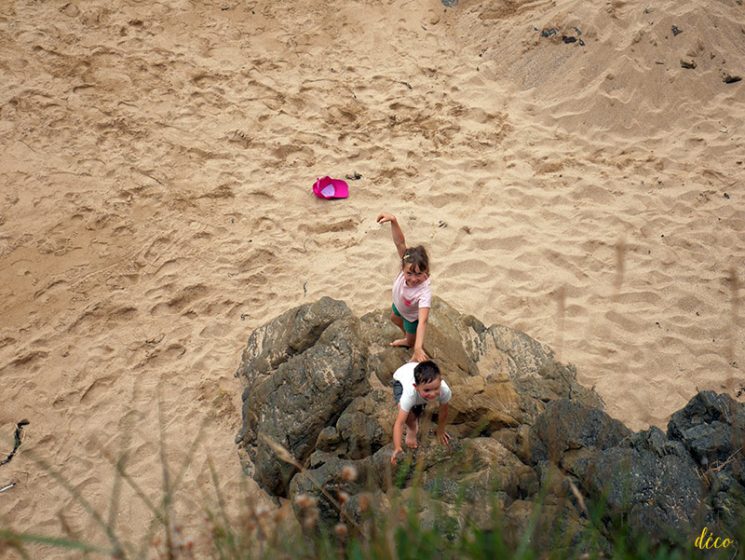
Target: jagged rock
x,y
318,458
651,482
291,333
366,510
458,477
558,528
483,407
575,461
362,429
712,427
504,377
328,439
291,399
659,495
449,339
330,487
567,425
522,427
554,483
472,468
522,374
436,515
304,368
727,500
378,331
365,425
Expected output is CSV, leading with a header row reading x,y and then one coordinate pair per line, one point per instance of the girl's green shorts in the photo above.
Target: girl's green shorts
x,y
409,327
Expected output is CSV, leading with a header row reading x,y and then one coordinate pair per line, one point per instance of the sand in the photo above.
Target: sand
x,y
156,169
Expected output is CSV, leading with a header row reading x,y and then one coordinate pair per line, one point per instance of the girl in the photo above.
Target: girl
x,y
412,296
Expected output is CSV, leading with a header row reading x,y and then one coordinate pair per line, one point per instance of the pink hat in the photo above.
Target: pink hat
x,y
327,188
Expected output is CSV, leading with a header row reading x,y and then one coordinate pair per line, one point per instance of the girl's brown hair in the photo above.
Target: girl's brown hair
x,y
417,257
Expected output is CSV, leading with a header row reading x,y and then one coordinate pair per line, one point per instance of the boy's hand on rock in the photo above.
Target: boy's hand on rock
x,y
394,457
443,438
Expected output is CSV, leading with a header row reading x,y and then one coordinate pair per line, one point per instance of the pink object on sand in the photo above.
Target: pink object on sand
x,y
326,187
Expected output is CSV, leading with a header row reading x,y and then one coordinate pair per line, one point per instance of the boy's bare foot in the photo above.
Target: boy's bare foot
x,y
400,342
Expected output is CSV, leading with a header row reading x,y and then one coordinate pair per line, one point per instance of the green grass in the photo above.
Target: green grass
x,y
257,535
398,532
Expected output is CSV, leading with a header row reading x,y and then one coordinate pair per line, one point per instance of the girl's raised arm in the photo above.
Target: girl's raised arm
x,y
398,235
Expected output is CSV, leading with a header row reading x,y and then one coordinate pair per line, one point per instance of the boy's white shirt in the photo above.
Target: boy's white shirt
x,y
409,397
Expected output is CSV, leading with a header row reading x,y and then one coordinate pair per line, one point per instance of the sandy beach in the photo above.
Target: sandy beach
x,y
574,169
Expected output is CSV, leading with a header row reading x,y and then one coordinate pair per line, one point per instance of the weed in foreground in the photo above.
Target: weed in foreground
x,y
397,531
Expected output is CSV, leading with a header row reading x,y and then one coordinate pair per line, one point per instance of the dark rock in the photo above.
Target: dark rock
x,y
482,408
576,461
551,527
727,500
502,377
378,331
330,487
533,369
328,439
471,469
521,424
449,334
319,458
566,425
712,428
291,333
656,441
367,510
657,496
508,438
441,517
555,484
292,404
365,425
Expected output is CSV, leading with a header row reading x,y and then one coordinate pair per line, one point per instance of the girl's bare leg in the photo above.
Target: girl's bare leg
x,y
408,341
398,321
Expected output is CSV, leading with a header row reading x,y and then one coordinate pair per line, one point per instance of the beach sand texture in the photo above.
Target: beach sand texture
x,y
155,207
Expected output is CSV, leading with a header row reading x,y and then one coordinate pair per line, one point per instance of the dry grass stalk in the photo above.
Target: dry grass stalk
x,y
580,498
284,455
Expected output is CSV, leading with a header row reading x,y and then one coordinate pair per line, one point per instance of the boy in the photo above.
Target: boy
x,y
414,385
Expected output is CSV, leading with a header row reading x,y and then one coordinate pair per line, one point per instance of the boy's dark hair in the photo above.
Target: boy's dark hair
x,y
426,372
417,257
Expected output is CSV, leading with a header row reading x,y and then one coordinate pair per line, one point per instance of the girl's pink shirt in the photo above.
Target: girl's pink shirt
x,y
409,300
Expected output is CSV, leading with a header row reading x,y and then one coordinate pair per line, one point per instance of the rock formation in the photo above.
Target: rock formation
x,y
529,441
